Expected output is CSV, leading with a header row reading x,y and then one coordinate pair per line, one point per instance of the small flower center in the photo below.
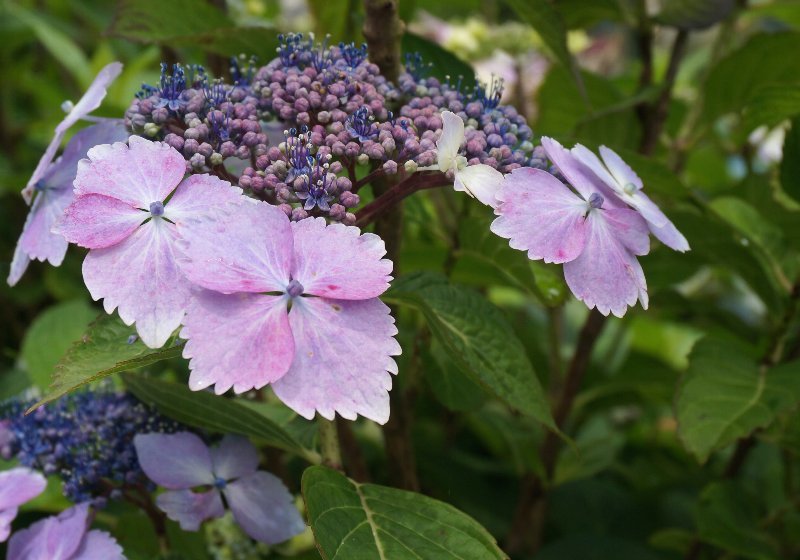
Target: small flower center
x,y
220,483
294,289
630,189
157,208
40,185
596,201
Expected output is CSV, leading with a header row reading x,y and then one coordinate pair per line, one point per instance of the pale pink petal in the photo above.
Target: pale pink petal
x,y
573,170
140,277
238,340
234,457
246,250
62,535
479,181
96,221
622,172
89,102
629,228
175,461
20,485
93,97
19,264
669,235
343,359
199,196
606,275
541,215
264,508
337,261
6,517
590,160
98,545
189,508
140,173
450,141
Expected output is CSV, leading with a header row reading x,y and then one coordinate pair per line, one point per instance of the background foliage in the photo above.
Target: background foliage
x,y
683,439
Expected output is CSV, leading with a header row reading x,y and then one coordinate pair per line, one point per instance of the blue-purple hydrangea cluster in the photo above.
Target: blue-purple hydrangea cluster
x,y
85,438
331,118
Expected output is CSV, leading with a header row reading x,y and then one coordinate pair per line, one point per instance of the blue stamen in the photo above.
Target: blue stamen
x,y
294,289
596,201
220,483
157,208
360,125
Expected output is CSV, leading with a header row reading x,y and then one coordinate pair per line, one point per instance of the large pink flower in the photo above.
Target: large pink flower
x,y
54,194
589,230
294,305
89,102
120,214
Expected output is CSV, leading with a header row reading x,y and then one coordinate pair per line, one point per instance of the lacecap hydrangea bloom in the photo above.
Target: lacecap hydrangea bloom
x,y
17,486
65,536
120,214
181,463
290,304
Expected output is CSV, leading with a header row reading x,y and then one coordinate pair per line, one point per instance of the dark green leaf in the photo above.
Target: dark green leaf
x,y
189,23
208,411
772,105
342,20
725,395
585,13
50,335
443,62
790,164
765,61
694,14
371,522
103,350
454,388
479,340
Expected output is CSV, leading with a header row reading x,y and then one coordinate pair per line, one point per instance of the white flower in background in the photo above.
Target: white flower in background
x,y
479,181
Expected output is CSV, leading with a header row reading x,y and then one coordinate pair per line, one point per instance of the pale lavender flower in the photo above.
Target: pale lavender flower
x,y
120,215
89,102
64,537
17,486
181,462
54,194
589,230
294,305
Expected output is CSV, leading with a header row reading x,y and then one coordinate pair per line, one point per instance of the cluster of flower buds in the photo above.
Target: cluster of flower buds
x,y
86,439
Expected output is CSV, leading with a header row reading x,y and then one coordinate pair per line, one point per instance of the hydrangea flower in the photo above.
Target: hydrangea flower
x,y
120,214
54,188
626,184
294,305
64,537
588,229
17,486
480,181
89,102
181,462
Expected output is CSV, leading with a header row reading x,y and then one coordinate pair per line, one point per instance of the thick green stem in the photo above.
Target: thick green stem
x,y
329,444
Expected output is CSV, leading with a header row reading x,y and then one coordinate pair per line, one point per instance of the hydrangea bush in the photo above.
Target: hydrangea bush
x,y
354,306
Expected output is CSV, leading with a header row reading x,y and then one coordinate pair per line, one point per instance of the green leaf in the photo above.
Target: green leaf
x,y
454,389
212,412
342,20
478,339
189,23
725,395
586,13
546,20
694,14
443,62
745,219
790,164
772,105
103,350
371,522
727,518
765,61
50,335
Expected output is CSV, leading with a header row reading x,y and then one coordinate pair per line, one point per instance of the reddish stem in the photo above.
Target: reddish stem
x,y
416,182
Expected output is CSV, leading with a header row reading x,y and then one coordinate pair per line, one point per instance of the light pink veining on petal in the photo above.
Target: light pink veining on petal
x,y
247,250
96,221
343,359
581,179
139,276
189,508
238,340
541,215
89,102
139,173
337,261
669,235
54,538
234,457
264,508
98,545
199,196
629,228
606,275
175,461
